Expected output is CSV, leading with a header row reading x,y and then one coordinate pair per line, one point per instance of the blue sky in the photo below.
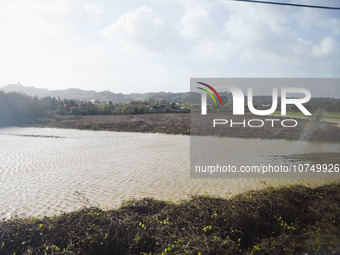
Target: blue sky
x,y
157,45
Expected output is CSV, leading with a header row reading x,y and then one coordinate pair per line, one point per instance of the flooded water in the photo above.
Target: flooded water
x,y
46,171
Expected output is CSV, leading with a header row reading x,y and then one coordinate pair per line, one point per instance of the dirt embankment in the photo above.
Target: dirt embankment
x,y
287,220
179,123
171,123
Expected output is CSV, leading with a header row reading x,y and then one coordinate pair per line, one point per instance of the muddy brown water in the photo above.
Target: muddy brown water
x,y
45,171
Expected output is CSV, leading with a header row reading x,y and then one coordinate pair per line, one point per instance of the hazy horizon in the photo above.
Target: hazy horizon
x,y
332,91
158,45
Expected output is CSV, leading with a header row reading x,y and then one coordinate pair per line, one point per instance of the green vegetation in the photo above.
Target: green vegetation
x,y
76,107
333,115
306,129
286,220
326,115
19,108
289,113
330,105
153,116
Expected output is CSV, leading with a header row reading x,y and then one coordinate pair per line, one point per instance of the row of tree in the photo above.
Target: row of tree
x,y
74,107
18,108
331,106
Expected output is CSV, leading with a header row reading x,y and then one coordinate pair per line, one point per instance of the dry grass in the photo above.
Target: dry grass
x,y
179,123
286,220
170,123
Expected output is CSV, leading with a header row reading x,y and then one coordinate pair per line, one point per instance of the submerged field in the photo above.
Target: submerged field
x,y
286,220
179,123
275,220
175,123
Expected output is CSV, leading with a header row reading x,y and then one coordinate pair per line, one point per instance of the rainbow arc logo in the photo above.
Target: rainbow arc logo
x,y
209,93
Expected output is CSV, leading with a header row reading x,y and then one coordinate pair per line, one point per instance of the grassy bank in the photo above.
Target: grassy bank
x,y
306,129
286,220
326,115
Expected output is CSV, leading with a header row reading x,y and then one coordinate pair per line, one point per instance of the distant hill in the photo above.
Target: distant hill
x,y
103,96
106,96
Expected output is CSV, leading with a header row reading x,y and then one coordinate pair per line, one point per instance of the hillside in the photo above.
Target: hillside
x,y
102,96
106,96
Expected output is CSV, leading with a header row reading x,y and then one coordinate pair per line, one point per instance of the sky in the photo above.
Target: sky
x,y
158,45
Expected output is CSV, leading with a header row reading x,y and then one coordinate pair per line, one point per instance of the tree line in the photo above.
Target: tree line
x,y
17,108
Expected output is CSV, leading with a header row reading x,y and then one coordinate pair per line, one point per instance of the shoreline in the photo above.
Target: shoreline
x,y
169,123
179,123
284,220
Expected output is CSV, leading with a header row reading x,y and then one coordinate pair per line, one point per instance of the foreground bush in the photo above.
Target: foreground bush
x,y
287,220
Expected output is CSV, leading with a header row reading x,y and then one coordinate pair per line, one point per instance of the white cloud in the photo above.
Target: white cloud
x,y
326,48
42,45
264,40
132,48
30,35
142,30
95,11
196,23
